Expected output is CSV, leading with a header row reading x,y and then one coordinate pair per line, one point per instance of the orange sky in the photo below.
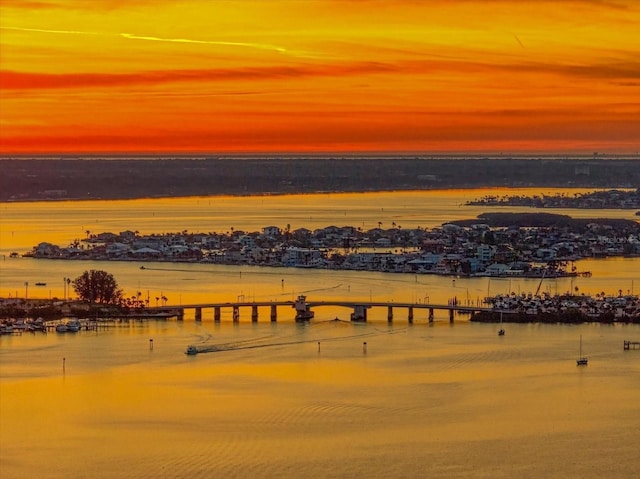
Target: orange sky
x,y
293,76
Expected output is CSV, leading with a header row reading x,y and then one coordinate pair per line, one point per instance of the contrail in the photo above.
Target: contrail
x,y
132,36
42,30
205,42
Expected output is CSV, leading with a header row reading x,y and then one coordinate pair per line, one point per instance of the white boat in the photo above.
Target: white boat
x,y
74,325
61,328
37,325
71,326
6,329
581,361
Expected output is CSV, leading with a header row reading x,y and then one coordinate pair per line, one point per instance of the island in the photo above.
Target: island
x,y
493,244
607,199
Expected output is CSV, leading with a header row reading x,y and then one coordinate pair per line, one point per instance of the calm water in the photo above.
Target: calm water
x,y
423,400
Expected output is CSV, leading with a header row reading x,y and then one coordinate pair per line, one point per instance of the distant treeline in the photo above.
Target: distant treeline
x,y
91,178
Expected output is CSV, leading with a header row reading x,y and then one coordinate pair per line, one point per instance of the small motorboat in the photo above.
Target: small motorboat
x,y
191,350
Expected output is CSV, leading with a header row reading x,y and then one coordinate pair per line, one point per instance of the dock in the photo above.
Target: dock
x,y
631,345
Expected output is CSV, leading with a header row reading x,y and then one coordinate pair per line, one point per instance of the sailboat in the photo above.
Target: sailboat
x,y
501,330
581,361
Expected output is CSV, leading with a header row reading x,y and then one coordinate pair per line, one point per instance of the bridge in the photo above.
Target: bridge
x,y
304,310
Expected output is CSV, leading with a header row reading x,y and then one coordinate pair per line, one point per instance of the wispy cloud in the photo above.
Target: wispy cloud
x,y
14,80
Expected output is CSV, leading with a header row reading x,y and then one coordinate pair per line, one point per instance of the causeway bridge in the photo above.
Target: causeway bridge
x,y
305,310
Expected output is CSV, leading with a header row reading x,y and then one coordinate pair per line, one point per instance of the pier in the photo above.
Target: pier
x,y
631,345
305,309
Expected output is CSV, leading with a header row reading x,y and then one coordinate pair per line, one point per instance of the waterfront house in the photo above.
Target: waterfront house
x,y
485,252
271,231
117,249
46,250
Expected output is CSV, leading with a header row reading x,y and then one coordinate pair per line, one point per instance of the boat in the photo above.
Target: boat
x,y
191,350
581,361
501,330
41,284
37,325
71,326
74,325
61,328
6,329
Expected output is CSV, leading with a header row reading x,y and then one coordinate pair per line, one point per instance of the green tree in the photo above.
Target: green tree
x,y
97,286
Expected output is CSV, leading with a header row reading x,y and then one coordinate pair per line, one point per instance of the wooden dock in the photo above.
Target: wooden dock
x,y
631,345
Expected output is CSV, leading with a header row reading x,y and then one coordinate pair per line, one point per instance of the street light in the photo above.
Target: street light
x,y
26,290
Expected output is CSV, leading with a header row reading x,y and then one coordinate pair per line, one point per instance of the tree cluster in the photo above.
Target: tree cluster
x,y
97,286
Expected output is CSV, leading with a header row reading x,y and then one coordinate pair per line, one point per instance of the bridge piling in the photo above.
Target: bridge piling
x,y
236,314
451,312
274,312
390,314
431,315
198,314
216,314
254,314
359,313
410,314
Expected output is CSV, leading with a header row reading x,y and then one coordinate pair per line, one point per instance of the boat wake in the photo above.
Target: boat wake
x,y
265,342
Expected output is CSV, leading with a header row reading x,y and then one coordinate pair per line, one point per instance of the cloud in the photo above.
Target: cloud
x,y
16,80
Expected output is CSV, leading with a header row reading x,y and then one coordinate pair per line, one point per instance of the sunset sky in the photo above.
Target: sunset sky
x,y
317,76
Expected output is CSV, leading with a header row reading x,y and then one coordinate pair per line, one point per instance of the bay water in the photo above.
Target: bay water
x,y
326,399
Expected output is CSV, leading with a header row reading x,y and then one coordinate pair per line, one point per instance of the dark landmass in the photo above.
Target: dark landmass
x,y
121,178
549,220
608,199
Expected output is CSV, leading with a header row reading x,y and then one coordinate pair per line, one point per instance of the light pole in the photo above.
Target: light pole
x,y
26,290
64,289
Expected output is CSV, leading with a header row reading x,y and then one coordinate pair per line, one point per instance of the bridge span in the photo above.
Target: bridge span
x,y
305,310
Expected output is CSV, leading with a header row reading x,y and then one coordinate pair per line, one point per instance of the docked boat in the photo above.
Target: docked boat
x,y
6,329
74,325
71,326
61,328
37,325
